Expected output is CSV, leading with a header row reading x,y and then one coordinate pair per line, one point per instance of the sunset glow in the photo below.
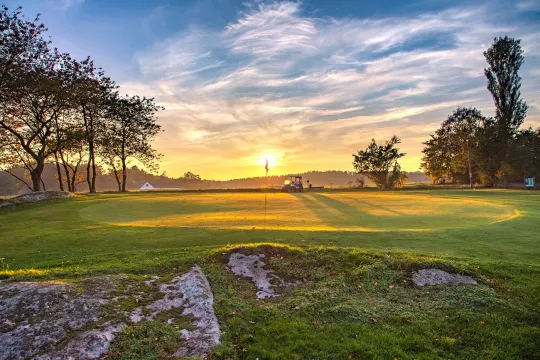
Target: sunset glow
x,y
302,84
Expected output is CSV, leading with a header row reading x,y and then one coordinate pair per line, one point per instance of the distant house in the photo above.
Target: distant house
x,y
147,186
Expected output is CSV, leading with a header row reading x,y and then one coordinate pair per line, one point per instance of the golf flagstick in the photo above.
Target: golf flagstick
x,y
265,191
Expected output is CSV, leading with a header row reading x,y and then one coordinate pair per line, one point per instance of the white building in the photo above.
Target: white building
x,y
147,186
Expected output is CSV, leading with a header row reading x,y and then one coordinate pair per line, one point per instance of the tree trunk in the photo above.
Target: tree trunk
x,y
74,171
124,175
36,176
66,170
93,170
118,180
59,171
90,175
470,168
116,177
124,172
89,129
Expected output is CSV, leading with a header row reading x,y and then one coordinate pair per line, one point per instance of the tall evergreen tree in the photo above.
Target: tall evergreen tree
x,y
505,58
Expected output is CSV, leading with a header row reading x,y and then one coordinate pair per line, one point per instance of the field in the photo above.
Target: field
x,y
354,252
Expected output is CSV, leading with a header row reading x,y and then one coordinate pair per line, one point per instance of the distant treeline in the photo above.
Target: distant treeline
x,y
137,177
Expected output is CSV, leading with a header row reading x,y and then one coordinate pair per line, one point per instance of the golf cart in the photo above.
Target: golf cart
x,y
293,183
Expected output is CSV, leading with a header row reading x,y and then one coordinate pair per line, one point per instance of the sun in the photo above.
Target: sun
x,y
273,159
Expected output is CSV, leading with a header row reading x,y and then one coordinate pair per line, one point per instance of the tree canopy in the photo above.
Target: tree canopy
x,y
380,163
490,150
54,108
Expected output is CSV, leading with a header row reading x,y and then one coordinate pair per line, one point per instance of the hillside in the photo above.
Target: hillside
x,y
136,177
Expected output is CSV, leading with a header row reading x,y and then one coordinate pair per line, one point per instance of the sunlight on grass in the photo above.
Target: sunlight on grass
x,y
360,211
517,214
23,274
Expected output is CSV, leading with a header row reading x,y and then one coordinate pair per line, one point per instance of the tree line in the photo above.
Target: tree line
x,y
55,109
492,151
470,147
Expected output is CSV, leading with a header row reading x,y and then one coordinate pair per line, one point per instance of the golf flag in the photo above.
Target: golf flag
x,y
266,166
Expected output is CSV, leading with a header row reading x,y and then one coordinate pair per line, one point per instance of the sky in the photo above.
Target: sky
x,y
304,84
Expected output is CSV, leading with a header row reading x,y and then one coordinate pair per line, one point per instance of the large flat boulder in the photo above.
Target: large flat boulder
x,y
61,321
36,317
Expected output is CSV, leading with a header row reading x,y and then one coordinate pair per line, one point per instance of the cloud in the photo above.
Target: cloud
x,y
271,30
529,5
66,4
276,79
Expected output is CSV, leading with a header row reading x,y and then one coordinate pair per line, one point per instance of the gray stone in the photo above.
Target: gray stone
x,y
436,277
91,344
252,266
192,292
5,204
199,302
42,195
38,316
35,197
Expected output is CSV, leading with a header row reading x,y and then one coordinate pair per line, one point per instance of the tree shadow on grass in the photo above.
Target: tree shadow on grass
x,y
330,211
376,206
340,206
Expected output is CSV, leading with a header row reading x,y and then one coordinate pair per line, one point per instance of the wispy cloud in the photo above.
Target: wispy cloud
x,y
66,4
276,79
528,5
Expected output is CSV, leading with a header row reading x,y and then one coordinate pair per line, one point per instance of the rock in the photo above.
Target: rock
x,y
199,302
435,277
36,319
91,344
192,292
38,316
5,204
152,280
35,197
251,266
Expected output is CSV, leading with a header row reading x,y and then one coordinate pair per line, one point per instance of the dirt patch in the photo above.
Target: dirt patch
x,y
437,277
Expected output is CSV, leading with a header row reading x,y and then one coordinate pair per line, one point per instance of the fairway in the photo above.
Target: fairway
x,y
483,224
352,252
346,211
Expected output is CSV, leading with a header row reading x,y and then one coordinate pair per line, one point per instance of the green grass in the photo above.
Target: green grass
x,y
148,340
354,251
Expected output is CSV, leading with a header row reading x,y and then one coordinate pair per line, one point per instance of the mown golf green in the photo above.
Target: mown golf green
x,y
354,252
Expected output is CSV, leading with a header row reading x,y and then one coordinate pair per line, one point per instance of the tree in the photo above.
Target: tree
x,y
30,94
91,92
457,151
438,160
53,106
379,163
191,176
71,154
129,133
29,117
462,128
525,154
505,58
